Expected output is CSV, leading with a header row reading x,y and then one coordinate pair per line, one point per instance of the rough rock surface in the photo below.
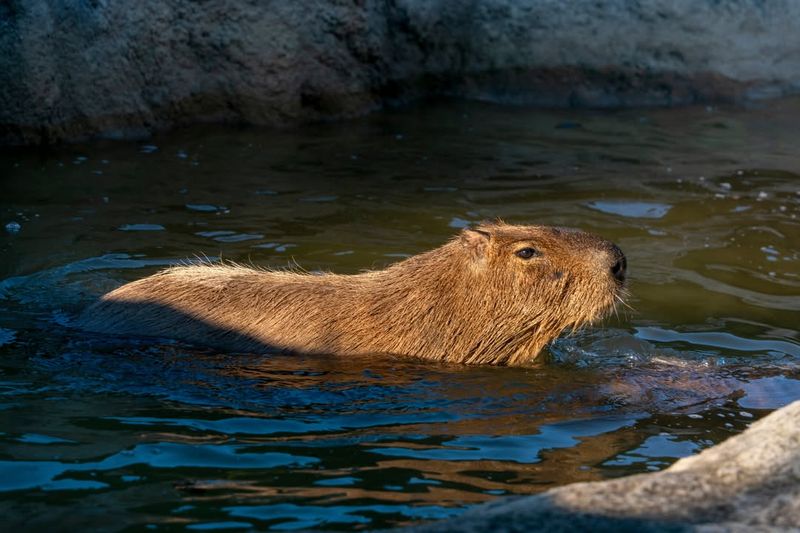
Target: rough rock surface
x,y
750,482
79,68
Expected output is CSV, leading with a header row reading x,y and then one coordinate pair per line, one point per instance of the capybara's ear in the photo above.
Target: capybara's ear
x,y
476,241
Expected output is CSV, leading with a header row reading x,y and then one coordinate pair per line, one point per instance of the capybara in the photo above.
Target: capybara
x,y
495,294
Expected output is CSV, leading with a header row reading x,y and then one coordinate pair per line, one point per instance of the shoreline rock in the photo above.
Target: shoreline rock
x,y
751,482
72,70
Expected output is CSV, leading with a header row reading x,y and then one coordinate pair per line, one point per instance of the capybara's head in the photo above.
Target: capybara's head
x,y
545,279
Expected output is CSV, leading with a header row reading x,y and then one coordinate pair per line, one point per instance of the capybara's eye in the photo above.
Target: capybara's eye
x,y
526,253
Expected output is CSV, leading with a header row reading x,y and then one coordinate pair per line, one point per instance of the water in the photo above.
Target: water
x,y
157,435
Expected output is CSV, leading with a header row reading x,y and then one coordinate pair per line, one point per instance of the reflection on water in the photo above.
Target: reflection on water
x,y
632,209
705,203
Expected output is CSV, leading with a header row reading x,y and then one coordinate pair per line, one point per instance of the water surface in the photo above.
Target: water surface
x,y
158,435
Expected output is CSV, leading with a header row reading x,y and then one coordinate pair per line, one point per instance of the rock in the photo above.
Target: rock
x,y
71,69
750,482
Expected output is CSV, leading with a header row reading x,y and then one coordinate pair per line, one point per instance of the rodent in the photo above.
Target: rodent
x,y
493,294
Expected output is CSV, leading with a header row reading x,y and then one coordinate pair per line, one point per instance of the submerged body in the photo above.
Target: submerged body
x,y
493,295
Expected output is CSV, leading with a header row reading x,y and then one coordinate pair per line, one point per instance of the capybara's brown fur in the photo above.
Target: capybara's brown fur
x,y
496,294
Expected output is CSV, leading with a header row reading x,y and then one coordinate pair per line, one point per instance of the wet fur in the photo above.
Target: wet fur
x,y
471,300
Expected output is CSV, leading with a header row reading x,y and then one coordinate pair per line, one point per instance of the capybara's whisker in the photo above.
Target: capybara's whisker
x,y
621,299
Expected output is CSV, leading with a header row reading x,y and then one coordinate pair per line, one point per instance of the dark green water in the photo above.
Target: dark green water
x,y
105,433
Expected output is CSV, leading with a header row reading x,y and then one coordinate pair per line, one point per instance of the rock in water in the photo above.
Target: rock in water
x,y
749,482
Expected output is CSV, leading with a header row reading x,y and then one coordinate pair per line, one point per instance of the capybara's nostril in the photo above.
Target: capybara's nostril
x,y
618,270
619,263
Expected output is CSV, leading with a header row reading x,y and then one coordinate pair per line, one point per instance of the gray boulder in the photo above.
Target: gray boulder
x,y
750,482
71,69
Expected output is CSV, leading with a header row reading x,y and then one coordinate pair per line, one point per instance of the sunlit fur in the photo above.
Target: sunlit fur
x,y
472,300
